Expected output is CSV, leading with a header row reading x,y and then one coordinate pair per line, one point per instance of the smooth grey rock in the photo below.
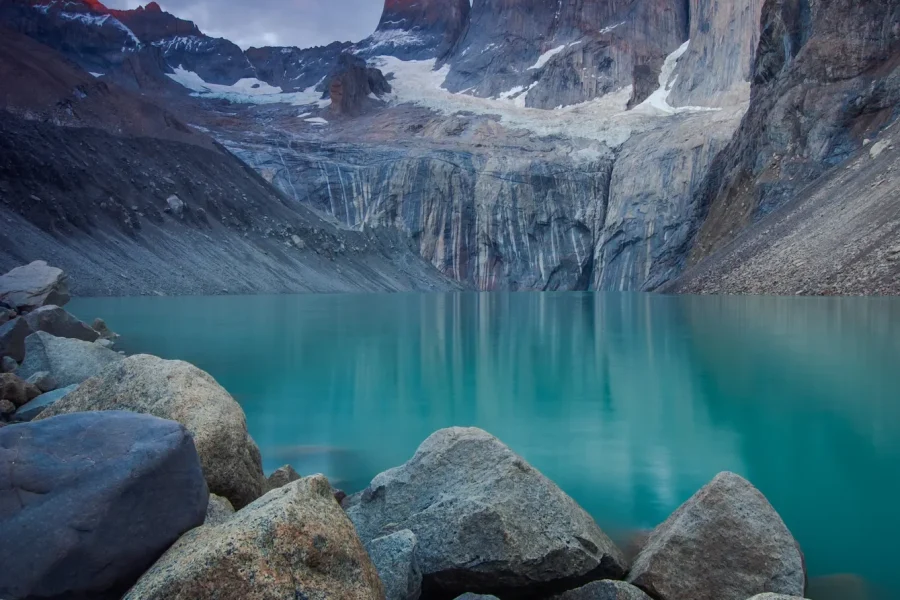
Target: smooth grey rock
x,y
394,557
218,511
724,543
43,381
294,542
94,499
175,205
8,364
34,285
68,361
17,390
604,590
30,410
485,520
12,338
282,476
179,391
56,321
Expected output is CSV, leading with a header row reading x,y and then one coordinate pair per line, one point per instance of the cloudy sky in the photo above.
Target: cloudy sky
x,y
301,23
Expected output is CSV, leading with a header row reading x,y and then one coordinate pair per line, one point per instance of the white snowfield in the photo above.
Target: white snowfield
x,y
247,91
658,102
544,58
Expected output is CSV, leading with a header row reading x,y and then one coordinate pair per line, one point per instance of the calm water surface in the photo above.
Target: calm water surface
x,y
629,402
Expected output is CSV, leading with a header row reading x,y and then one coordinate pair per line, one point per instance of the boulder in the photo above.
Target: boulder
x,y
769,596
175,206
68,361
471,596
43,381
394,557
725,543
8,365
94,499
34,285
12,338
604,590
7,409
486,521
282,476
218,511
100,326
17,391
29,411
294,542
180,391
56,321
7,315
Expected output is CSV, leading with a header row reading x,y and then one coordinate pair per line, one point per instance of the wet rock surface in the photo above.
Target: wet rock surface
x,y
94,499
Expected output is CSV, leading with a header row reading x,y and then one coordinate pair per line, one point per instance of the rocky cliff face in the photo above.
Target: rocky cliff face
x,y
417,29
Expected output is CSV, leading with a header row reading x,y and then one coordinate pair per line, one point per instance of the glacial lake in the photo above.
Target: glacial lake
x,y
629,402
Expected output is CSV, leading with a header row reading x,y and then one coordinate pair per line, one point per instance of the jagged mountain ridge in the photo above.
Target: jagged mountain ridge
x,y
471,157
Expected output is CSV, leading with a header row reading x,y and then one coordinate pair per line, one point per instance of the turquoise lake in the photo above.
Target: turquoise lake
x,y
629,402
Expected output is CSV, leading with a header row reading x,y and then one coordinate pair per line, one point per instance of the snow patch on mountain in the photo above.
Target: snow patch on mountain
x,y
544,58
247,91
658,102
97,21
388,39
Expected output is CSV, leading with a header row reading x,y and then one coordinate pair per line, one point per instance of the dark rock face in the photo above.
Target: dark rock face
x,y
12,338
725,543
151,24
215,60
417,29
351,83
485,520
94,499
56,321
295,69
824,80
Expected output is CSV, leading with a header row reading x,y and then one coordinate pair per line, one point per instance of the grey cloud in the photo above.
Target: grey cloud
x,y
302,23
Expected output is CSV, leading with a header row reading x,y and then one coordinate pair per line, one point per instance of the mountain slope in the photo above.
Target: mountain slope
x,y
128,200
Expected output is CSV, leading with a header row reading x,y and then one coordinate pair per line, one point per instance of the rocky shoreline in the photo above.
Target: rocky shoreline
x,y
135,477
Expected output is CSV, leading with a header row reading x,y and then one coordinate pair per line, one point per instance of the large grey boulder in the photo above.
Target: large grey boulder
x,y
68,361
604,590
394,557
34,285
29,411
12,338
89,501
294,542
282,476
768,596
218,511
725,543
486,521
56,321
176,390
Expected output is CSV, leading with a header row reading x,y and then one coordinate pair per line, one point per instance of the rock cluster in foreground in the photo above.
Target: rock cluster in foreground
x,y
107,492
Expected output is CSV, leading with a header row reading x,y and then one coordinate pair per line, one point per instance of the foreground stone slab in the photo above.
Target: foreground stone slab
x,y
725,543
56,321
604,590
294,542
486,521
68,361
31,410
89,501
179,391
34,285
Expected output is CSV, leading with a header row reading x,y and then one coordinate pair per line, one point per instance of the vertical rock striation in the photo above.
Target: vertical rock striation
x,y
417,29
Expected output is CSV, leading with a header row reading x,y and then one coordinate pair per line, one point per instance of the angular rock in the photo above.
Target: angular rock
x,y
604,590
94,499
68,361
179,391
7,408
768,596
29,411
471,596
8,365
43,381
7,315
100,326
34,285
724,543
294,542
175,205
218,511
282,476
12,338
486,521
17,391
56,321
394,557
